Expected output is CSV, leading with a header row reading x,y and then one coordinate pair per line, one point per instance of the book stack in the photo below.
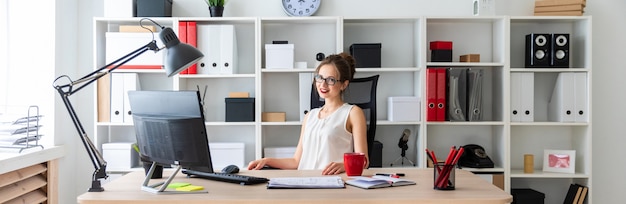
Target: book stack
x,y
576,194
560,7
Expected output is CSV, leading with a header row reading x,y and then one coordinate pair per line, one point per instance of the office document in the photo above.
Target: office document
x,y
306,182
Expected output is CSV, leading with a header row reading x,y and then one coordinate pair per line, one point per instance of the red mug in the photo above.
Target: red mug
x,y
354,162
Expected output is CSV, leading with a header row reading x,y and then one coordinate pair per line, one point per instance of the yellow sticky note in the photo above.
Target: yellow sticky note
x,y
190,188
177,185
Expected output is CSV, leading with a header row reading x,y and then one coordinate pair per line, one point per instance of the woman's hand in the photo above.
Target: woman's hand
x,y
257,164
333,168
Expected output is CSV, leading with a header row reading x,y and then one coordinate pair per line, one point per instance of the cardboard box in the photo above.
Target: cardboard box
x,y
366,55
469,58
279,56
238,95
279,152
224,154
273,117
120,156
403,108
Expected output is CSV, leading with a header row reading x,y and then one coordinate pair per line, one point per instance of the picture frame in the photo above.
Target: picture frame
x,y
561,161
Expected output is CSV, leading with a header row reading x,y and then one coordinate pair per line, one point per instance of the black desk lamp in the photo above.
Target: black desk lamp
x,y
179,57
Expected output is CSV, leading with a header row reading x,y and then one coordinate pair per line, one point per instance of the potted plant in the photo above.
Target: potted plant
x,y
216,7
158,171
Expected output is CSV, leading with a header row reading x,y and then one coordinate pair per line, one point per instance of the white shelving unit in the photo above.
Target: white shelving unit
x,y
405,56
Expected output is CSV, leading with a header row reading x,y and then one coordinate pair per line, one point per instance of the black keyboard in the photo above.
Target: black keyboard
x,y
225,177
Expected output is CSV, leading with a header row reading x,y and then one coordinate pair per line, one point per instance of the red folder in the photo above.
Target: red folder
x,y
441,94
431,94
192,39
182,36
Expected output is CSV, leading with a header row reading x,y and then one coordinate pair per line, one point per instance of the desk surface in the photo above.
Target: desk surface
x,y
470,189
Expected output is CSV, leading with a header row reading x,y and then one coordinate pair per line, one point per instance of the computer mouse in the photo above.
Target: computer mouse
x,y
230,169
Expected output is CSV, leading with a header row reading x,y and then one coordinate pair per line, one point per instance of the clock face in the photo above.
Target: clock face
x,y
301,7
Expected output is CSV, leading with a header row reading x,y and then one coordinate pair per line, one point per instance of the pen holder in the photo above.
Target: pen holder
x,y
443,176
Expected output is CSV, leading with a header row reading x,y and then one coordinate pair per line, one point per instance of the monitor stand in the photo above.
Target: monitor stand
x,y
161,187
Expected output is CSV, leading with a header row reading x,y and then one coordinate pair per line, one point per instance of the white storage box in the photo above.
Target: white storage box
x,y
120,156
279,56
279,152
119,44
224,154
403,108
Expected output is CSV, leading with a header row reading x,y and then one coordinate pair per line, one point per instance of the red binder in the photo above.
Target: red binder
x,y
182,36
441,94
431,94
192,39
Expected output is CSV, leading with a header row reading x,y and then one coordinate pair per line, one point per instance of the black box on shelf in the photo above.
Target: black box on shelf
x,y
527,196
441,51
239,109
153,8
367,55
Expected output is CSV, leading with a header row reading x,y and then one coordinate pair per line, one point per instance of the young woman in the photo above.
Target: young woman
x,y
330,131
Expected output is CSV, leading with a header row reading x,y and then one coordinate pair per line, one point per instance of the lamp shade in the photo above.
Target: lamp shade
x,y
179,55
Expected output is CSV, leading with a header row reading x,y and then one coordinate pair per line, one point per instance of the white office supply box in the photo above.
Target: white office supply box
x,y
279,152
224,154
120,156
403,108
279,56
119,44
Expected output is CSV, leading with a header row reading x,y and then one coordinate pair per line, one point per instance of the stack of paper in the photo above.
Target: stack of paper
x,y
378,182
560,7
306,182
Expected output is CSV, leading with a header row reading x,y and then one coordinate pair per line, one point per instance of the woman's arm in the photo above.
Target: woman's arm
x,y
282,163
358,126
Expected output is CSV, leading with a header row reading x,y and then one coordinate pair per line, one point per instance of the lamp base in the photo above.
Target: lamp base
x,y
96,187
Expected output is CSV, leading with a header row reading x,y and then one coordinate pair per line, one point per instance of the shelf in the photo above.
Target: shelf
x,y
405,56
517,173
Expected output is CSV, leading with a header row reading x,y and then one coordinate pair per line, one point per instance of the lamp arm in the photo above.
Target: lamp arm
x,y
66,90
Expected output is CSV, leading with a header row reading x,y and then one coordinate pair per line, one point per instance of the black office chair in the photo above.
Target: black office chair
x,y
360,92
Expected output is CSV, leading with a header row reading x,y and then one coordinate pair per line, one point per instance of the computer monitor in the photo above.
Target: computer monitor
x,y
170,130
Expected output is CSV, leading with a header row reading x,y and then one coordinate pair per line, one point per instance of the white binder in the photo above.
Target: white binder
x,y
117,97
561,104
218,43
228,49
208,42
581,97
305,84
131,83
527,97
516,97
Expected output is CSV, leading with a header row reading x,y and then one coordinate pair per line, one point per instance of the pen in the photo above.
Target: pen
x,y
396,175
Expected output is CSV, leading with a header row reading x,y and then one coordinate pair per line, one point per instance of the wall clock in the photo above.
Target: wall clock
x,y
301,7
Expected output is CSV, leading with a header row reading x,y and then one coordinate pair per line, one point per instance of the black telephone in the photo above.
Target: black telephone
x,y
474,156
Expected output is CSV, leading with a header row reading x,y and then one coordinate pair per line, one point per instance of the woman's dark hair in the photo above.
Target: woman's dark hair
x,y
344,64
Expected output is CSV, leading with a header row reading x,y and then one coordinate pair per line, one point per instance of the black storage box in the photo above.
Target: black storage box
x,y
153,8
527,196
366,55
239,109
377,155
441,55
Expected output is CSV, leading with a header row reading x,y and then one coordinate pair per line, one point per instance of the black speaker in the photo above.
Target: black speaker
x,y
560,51
538,50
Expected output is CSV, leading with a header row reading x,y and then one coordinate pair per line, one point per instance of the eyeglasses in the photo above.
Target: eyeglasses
x,y
330,80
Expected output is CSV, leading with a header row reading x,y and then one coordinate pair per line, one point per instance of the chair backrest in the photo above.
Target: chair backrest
x,y
360,92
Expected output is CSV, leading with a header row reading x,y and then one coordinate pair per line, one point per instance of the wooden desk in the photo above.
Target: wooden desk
x,y
470,189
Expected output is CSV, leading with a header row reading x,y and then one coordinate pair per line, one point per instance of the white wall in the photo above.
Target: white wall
x,y
608,69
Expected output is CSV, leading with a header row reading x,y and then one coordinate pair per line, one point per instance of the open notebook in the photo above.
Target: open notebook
x,y
378,182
